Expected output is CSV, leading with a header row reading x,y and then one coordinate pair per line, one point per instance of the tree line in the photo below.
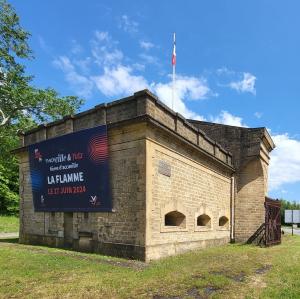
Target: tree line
x,y
287,205
22,105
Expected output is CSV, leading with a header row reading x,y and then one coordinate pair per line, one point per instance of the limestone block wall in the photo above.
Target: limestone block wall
x,y
192,186
250,148
151,106
124,226
200,183
250,198
30,222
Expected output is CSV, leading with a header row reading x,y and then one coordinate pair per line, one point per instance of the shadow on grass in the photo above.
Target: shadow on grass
x,y
9,240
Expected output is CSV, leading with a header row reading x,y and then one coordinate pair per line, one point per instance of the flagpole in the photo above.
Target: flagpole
x,y
174,66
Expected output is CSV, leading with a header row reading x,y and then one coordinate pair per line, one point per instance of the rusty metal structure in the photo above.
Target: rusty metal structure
x,y
272,222
269,232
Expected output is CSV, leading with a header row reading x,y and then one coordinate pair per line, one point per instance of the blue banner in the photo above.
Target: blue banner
x,y
70,173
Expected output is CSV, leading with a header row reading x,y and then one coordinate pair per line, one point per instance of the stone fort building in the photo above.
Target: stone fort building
x,y
176,184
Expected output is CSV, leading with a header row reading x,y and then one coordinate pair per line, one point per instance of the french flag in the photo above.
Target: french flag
x,y
174,53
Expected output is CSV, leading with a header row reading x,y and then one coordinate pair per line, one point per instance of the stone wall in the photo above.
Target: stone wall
x,y
249,202
142,104
141,132
97,231
191,189
250,148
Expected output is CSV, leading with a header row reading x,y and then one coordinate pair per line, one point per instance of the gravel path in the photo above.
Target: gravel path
x,y
289,230
9,235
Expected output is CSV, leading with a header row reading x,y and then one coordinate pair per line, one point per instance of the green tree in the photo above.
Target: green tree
x,y
22,105
287,205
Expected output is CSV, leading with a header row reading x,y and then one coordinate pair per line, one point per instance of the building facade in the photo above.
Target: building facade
x,y
176,184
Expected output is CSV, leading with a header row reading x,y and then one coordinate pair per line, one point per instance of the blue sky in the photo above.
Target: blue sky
x,y
237,61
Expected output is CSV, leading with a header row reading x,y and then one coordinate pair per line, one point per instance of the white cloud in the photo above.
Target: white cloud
x,y
104,50
146,45
247,84
149,59
224,71
102,36
76,48
120,80
117,81
192,88
81,84
128,25
227,118
187,88
285,162
83,64
258,114
116,77
104,56
43,45
138,66
239,81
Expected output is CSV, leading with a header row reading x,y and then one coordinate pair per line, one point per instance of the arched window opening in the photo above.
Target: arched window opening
x,y
175,218
204,220
223,221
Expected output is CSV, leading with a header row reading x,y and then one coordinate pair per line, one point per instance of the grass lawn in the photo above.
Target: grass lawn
x,y
9,224
231,271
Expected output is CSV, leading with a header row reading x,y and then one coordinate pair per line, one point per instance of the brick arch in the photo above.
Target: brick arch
x,y
224,221
203,210
223,213
173,207
204,220
175,218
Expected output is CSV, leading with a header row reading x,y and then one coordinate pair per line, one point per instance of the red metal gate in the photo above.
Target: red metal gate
x,y
272,222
